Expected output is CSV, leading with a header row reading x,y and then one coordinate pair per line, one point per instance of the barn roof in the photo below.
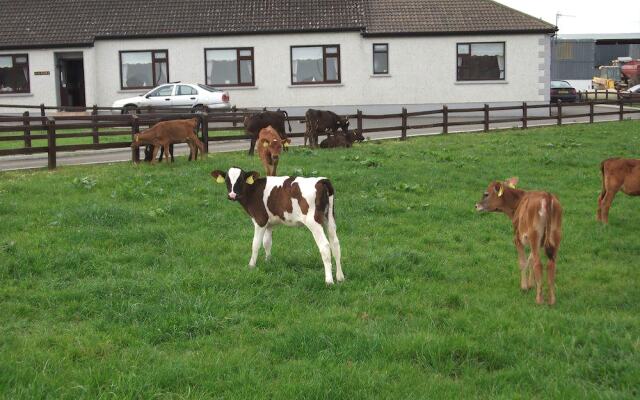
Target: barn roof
x,y
63,23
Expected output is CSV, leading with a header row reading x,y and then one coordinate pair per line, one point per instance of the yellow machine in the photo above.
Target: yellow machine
x,y
610,77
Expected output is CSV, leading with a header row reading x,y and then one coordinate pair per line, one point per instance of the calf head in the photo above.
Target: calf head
x,y
357,135
343,123
274,146
492,198
237,181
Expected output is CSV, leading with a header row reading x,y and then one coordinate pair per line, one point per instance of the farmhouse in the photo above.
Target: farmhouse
x,y
276,53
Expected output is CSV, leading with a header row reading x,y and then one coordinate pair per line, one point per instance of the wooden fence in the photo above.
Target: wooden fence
x,y
95,125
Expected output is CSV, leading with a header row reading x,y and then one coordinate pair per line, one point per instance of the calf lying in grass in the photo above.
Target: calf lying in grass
x,y
341,139
537,222
269,148
165,133
292,201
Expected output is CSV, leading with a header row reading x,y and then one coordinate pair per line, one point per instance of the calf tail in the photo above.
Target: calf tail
x,y
604,187
286,117
328,197
553,227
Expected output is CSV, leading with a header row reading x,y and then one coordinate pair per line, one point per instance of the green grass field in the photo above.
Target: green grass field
x,y
124,281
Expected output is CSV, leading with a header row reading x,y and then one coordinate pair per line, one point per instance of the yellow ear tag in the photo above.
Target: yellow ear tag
x,y
219,179
286,144
265,144
250,180
511,185
501,191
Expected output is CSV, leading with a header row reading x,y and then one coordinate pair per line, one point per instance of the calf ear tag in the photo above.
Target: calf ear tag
x,y
286,144
265,144
250,180
511,185
501,191
219,179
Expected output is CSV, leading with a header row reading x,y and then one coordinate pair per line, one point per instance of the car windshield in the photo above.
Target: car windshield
x,y
560,85
209,88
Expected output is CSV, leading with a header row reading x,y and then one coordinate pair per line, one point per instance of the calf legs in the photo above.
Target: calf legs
x,y
325,249
604,204
258,234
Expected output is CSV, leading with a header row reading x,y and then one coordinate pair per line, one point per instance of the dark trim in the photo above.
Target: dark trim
x,y
13,58
459,33
45,46
373,56
238,58
504,54
324,47
153,68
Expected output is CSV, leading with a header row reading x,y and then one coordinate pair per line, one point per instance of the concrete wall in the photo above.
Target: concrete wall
x,y
422,71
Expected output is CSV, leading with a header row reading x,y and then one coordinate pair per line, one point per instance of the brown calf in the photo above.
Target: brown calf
x,y
537,222
617,173
269,148
168,132
340,139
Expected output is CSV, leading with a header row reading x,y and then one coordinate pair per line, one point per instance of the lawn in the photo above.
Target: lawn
x,y
124,281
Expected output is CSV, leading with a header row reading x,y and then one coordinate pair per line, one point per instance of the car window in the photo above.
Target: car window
x,y
209,88
165,90
560,84
184,90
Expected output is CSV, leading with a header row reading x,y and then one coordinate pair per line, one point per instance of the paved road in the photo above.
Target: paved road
x,y
120,155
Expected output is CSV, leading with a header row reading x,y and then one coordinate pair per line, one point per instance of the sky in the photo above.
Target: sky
x,y
589,16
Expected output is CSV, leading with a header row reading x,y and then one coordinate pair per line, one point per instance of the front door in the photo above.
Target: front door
x,y
71,83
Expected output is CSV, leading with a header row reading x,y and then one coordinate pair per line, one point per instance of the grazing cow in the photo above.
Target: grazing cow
x,y
617,173
339,139
269,148
254,123
164,133
537,221
320,121
292,201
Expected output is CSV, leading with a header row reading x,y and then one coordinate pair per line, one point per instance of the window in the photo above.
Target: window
x,y
381,58
229,67
14,73
315,64
162,91
184,90
480,61
143,69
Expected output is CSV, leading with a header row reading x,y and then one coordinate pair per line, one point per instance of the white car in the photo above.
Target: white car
x,y
195,96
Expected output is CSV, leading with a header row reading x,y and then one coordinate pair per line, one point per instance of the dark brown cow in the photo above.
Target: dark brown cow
x,y
292,201
320,122
254,123
339,139
617,173
537,222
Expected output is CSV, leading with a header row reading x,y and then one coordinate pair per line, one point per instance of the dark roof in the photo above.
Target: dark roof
x,y
62,23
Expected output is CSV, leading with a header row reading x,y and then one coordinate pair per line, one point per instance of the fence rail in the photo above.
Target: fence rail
x,y
54,127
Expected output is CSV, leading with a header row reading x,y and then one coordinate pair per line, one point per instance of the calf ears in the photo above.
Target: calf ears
x,y
512,182
251,177
218,176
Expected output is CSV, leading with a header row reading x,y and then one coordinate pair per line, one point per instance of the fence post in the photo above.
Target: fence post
x,y
524,115
559,112
591,111
595,94
27,129
486,118
445,119
404,124
606,94
233,110
43,117
135,128
621,105
359,121
94,124
204,117
51,143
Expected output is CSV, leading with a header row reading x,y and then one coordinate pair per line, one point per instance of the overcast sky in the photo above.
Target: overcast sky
x,y
590,16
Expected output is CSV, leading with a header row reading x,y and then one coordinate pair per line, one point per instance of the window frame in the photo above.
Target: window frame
x,y
153,68
238,59
13,60
373,57
324,47
504,54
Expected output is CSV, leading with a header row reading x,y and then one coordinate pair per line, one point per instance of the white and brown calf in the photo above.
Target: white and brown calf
x,y
292,201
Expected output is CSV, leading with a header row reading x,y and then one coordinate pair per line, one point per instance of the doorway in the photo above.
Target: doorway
x,y
70,67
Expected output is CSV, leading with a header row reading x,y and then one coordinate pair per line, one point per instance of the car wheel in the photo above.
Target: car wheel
x,y
130,109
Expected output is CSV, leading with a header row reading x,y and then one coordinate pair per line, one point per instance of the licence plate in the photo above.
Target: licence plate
x,y
563,92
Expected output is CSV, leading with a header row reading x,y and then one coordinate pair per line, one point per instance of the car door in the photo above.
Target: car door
x,y
186,96
162,96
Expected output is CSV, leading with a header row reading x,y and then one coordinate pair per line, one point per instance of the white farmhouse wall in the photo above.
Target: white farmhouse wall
x,y
422,71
